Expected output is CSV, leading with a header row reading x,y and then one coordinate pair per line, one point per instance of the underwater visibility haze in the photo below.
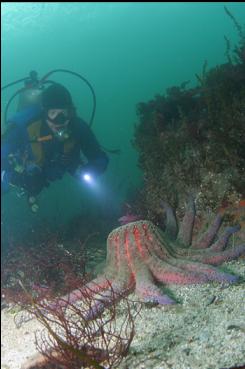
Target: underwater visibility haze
x,y
162,88
129,52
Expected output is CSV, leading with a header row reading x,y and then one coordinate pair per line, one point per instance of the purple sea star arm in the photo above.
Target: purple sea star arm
x,y
110,296
210,273
171,224
208,237
217,258
221,243
186,227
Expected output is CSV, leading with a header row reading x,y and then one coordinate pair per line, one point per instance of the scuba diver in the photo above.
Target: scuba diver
x,y
44,140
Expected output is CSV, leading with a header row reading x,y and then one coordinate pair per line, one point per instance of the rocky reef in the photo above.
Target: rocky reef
x,y
191,140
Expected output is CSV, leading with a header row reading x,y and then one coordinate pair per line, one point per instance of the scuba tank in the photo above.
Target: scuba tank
x,y
31,94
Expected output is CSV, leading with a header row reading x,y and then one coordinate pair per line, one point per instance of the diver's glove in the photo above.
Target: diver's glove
x,y
32,202
8,182
11,180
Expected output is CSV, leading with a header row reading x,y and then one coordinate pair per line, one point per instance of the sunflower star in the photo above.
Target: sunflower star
x,y
139,253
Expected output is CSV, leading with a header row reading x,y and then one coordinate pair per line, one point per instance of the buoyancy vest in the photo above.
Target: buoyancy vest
x,y
37,142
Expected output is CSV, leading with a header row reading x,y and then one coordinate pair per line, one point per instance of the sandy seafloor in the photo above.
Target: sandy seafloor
x,y
205,330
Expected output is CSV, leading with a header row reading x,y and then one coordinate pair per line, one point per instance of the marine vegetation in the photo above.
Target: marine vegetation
x,y
70,341
191,140
49,260
46,269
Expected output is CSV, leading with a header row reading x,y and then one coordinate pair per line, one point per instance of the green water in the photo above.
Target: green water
x,y
129,52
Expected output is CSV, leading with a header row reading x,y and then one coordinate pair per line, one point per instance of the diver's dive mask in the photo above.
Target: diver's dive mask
x,y
59,116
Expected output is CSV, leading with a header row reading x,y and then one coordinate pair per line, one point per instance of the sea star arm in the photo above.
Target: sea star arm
x,y
208,237
185,232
